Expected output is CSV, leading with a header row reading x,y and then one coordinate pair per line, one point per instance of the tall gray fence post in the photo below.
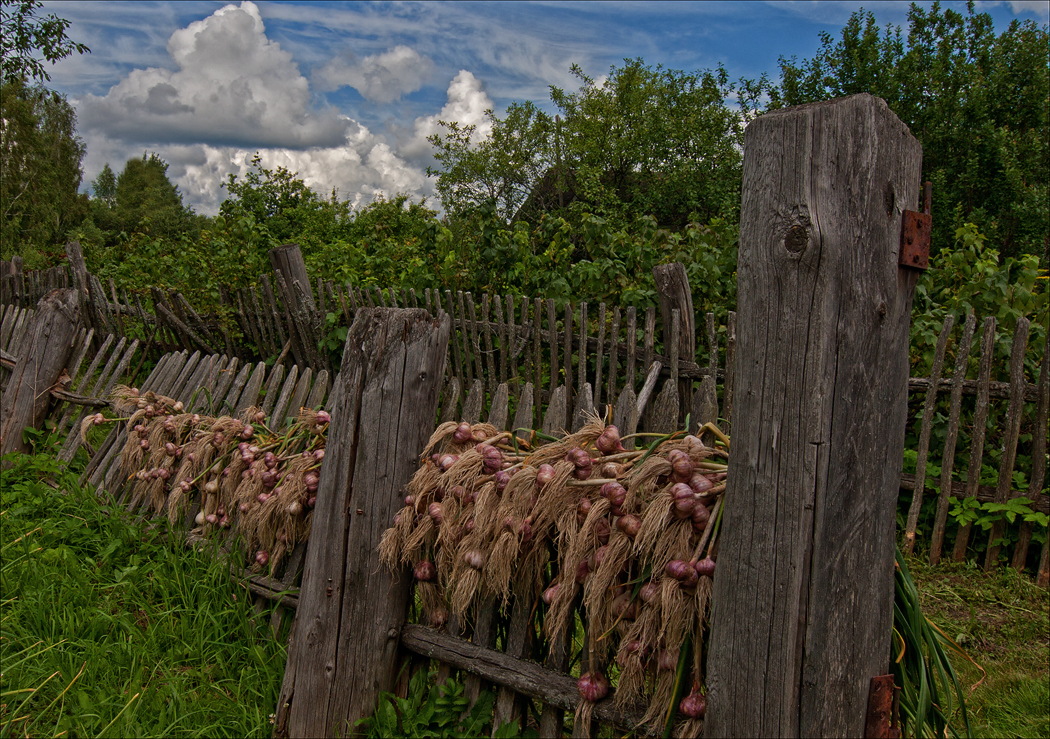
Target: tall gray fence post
x,y
803,597
344,644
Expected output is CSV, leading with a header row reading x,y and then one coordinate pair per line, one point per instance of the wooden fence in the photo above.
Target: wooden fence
x,y
603,354
526,363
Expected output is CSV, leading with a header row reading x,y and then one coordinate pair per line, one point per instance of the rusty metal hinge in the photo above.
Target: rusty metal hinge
x,y
883,719
915,235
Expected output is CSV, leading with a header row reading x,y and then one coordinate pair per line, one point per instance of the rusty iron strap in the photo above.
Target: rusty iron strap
x,y
915,234
915,240
882,720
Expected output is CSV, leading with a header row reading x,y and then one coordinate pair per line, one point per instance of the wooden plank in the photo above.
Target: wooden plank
x,y
250,395
962,355
43,354
116,303
674,294
261,326
319,391
1038,472
581,358
727,403
226,376
552,340
648,387
973,471
649,337
343,647
523,413
555,420
509,706
584,407
537,362
281,337
599,360
281,409
101,389
520,676
475,337
472,405
614,350
498,412
806,550
567,352
924,437
1012,433
302,389
490,362
450,400
272,389
222,405
504,342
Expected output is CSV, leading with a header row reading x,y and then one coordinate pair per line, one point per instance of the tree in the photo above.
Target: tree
x,y
281,203
40,172
23,36
653,141
146,201
104,186
500,169
978,102
644,142
40,154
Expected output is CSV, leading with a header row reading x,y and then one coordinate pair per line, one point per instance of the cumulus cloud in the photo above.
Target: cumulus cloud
x,y
1039,7
381,78
231,86
228,92
466,104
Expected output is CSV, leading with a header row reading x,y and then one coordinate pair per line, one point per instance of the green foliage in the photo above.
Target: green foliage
x,y
104,187
654,142
970,511
24,36
978,102
500,169
284,207
931,700
387,243
109,629
40,158
971,277
646,142
434,711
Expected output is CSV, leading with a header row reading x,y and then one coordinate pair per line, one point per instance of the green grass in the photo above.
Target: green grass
x,y
112,628
1002,620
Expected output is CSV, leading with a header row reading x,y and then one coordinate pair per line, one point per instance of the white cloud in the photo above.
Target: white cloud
x,y
381,78
466,104
1039,7
231,86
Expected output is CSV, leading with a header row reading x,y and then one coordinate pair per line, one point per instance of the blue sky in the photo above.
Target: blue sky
x,y
345,93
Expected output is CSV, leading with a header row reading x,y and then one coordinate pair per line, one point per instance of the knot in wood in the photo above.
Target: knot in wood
x,y
797,239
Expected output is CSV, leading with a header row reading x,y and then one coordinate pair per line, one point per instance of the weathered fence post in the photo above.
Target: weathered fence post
x,y
299,306
673,292
343,649
802,604
288,260
43,354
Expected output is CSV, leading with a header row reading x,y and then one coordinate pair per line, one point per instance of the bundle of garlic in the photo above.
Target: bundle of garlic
x,y
581,520
243,475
